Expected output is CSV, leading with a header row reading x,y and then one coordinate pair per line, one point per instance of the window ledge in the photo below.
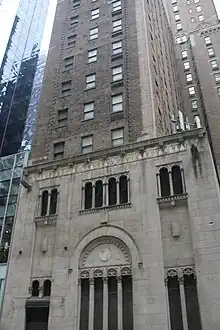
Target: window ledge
x,y
117,83
108,207
172,200
117,57
116,12
117,33
117,115
46,220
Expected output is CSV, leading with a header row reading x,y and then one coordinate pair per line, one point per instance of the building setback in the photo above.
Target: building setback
x,y
117,225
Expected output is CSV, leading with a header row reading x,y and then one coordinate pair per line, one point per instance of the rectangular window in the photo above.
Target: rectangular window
x,y
217,78
89,110
71,40
192,91
116,6
184,38
186,66
117,25
93,33
184,54
95,13
76,3
58,150
192,19
198,9
189,77
62,117
194,104
87,143
92,55
201,18
68,62
214,65
196,1
116,48
117,73
117,103
66,87
211,52
178,40
175,9
179,26
177,17
117,137
208,41
74,20
90,81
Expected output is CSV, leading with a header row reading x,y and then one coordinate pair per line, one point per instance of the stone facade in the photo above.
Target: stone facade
x,y
152,237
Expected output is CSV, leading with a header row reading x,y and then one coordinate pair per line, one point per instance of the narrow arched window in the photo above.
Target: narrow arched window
x,y
164,182
98,193
177,180
35,289
53,201
88,195
112,191
47,288
123,189
44,203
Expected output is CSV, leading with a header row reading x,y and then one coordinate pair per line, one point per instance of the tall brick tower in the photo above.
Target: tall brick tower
x,y
118,221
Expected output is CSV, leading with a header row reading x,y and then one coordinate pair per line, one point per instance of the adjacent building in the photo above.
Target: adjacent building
x,y
117,225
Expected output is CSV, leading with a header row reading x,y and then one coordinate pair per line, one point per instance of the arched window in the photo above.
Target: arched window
x,y
192,303
175,303
123,189
88,195
47,288
112,191
164,182
53,201
35,289
44,203
177,180
98,193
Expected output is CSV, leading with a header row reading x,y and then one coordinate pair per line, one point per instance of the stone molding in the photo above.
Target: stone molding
x,y
179,272
46,220
105,272
107,208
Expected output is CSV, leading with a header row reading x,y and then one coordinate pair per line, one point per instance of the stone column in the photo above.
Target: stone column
x,y
171,183
105,303
167,303
183,181
183,303
78,305
158,185
120,319
104,195
118,193
39,206
107,195
93,196
128,183
83,198
48,203
91,303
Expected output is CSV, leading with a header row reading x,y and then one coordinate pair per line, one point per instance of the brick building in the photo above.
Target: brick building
x,y
118,220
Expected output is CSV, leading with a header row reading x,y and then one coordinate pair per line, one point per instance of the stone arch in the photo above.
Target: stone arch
x,y
121,237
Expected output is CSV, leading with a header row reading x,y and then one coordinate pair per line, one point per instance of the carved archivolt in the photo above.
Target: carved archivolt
x,y
179,272
105,240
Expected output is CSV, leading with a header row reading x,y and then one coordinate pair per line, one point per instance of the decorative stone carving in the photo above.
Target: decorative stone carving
x,y
188,271
98,273
84,274
172,272
125,271
112,272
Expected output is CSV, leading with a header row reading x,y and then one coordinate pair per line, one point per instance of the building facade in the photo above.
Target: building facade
x,y
117,226
196,32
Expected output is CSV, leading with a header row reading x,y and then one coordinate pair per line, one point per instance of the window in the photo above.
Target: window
x,y
117,25
68,62
98,193
53,201
208,41
44,203
184,38
194,104
117,73
35,289
90,81
92,55
117,137
66,87
179,26
164,182
117,103
95,13
93,33
217,78
201,18
88,195
190,10
211,52
123,189
192,91
196,1
62,117
170,181
198,9
178,40
189,77
116,6
184,54
74,20
192,19
186,65
58,150
177,180
218,90
89,109
174,2
175,9
214,64
117,47
76,3
87,144
177,17
47,288
71,40
112,191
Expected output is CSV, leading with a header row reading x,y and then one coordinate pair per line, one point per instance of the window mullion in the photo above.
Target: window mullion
x,y
171,183
93,196
117,192
183,303
48,203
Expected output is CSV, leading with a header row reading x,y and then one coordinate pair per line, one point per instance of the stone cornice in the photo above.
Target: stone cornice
x,y
179,138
